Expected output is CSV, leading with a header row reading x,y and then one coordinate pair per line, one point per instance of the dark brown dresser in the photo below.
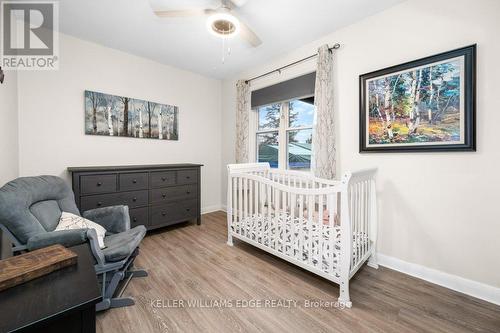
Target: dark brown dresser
x,y
157,195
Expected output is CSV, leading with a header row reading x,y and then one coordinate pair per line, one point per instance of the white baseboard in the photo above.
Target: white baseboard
x,y
469,287
210,209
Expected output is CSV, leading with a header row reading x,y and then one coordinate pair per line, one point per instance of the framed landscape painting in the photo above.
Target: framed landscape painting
x,y
424,105
111,115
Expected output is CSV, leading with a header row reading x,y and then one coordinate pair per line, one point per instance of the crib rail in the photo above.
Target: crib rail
x,y
300,179
291,178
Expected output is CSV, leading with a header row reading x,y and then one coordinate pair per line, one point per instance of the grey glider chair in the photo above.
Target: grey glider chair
x,y
30,208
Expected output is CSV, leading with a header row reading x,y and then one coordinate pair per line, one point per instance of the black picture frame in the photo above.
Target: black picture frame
x,y
469,105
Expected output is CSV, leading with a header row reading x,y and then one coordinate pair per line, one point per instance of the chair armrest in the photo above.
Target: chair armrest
x,y
63,237
94,246
114,219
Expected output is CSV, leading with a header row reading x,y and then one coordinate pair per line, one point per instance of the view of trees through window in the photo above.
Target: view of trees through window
x,y
292,121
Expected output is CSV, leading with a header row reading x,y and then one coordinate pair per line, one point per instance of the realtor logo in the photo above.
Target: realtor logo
x,y
29,31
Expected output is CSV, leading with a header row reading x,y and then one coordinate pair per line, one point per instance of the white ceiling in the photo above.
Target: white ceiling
x,y
282,25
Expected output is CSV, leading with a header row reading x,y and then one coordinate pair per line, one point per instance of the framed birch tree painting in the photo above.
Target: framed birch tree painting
x,y
423,105
111,115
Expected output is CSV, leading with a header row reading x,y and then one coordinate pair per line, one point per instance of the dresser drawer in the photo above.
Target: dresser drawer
x,y
130,199
163,178
189,176
174,212
134,199
139,216
133,181
99,201
98,184
173,193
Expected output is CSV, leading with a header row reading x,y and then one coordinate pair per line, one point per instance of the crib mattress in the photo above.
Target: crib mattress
x,y
291,237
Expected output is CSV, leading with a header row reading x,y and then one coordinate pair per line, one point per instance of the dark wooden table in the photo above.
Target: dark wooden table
x,y
62,301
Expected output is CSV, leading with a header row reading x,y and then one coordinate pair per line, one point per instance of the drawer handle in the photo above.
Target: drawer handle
x,y
188,177
163,179
134,199
134,181
164,195
99,204
188,209
163,214
188,192
135,219
99,184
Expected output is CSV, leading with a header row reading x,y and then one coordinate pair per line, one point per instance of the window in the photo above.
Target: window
x,y
284,134
268,134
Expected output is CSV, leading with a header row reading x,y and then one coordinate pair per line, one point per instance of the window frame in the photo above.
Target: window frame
x,y
283,133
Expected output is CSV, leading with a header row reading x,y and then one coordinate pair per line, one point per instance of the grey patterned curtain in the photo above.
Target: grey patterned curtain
x,y
243,109
323,145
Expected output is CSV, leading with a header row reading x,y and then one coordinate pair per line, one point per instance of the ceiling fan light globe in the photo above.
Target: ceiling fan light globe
x,y
223,25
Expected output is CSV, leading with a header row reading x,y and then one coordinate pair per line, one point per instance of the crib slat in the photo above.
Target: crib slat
x,y
363,225
284,213
310,217
261,199
320,239
331,220
256,198
352,200
250,197
359,222
245,207
365,215
300,251
368,199
234,205
373,217
240,205
253,190
268,220
360,231
293,237
260,212
276,220
362,219
354,220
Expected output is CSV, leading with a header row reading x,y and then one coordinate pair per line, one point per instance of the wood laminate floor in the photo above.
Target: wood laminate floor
x,y
191,263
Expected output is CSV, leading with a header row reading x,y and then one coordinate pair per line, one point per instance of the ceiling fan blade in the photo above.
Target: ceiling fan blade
x,y
248,35
239,3
183,13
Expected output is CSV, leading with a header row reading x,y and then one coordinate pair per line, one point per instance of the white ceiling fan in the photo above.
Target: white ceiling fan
x,y
222,21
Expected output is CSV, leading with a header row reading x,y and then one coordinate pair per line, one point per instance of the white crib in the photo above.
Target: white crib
x,y
326,227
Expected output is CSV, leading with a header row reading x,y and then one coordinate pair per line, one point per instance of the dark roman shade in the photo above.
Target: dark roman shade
x,y
299,87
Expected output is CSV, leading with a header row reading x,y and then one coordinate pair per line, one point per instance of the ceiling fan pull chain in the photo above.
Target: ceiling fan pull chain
x,y
223,51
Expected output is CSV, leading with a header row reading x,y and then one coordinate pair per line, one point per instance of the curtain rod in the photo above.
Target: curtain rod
x,y
334,47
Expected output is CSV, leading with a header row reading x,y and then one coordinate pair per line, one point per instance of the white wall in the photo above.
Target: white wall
x,y
436,210
51,122
9,165
9,144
